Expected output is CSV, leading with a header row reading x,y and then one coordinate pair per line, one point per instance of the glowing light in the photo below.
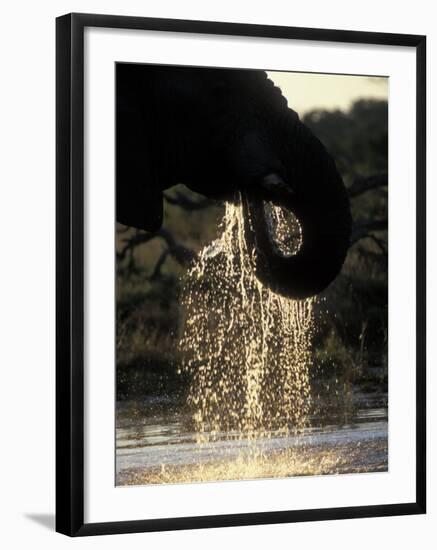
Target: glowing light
x,y
247,349
285,229
341,459
248,354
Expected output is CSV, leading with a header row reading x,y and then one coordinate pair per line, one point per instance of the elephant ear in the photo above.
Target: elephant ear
x,y
139,198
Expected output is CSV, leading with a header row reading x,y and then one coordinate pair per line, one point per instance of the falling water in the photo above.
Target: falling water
x,y
247,349
248,353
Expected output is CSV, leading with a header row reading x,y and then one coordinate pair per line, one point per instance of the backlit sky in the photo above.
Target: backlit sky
x,y
306,91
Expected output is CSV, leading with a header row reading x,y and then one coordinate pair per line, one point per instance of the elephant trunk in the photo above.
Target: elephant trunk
x,y
319,201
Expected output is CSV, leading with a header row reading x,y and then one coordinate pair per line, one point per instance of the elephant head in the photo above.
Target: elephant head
x,y
219,131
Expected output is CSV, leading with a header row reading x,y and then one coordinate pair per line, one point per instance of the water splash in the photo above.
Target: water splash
x,y
248,353
285,229
247,349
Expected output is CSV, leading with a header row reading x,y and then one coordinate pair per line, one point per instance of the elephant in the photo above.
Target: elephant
x,y
222,131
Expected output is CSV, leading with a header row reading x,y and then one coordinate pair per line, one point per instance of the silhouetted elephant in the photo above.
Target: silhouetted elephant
x,y
222,130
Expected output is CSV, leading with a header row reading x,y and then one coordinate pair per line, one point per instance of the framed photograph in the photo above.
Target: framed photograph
x,y
240,274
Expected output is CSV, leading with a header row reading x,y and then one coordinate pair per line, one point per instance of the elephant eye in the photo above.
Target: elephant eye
x,y
284,229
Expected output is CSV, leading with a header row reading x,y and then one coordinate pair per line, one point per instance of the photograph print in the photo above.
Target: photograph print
x,y
251,274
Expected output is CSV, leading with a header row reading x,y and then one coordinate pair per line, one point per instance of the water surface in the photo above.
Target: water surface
x,y
163,448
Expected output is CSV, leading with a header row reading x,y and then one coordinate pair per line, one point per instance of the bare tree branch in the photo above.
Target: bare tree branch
x,y
134,241
157,271
179,252
184,255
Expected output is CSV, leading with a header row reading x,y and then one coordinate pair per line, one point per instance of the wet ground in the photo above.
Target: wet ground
x,y
163,449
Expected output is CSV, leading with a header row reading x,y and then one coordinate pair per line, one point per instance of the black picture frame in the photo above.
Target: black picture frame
x,y
70,273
